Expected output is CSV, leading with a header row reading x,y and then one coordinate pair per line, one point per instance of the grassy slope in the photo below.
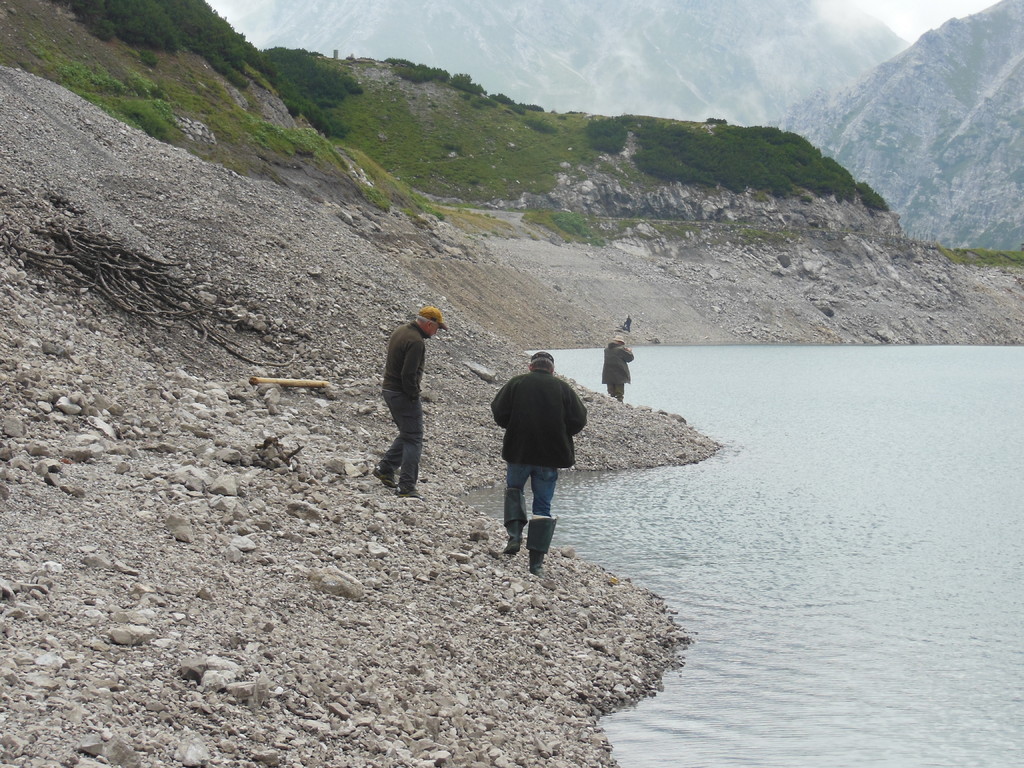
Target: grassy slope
x,y
435,138
44,39
449,143
986,257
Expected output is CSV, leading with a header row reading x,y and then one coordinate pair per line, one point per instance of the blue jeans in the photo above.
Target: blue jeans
x,y
542,483
404,453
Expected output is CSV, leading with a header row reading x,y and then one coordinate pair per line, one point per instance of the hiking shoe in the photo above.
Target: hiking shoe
x,y
407,493
387,479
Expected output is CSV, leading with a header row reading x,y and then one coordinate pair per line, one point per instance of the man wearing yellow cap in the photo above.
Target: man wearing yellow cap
x,y
403,374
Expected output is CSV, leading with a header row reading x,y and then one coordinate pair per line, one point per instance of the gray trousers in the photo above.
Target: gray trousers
x,y
403,457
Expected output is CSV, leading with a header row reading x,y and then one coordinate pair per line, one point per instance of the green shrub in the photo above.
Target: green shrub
x,y
737,158
607,135
85,81
172,25
540,126
572,223
313,87
151,115
143,86
871,198
418,73
465,83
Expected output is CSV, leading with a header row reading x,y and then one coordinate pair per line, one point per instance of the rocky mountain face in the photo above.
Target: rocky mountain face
x,y
938,130
742,60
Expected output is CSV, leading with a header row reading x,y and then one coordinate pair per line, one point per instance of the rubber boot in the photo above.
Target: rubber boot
x,y
538,542
515,519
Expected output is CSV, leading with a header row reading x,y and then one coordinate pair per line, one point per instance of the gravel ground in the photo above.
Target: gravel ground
x,y
199,571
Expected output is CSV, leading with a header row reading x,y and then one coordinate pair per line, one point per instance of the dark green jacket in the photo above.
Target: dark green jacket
x,y
407,351
540,414
616,370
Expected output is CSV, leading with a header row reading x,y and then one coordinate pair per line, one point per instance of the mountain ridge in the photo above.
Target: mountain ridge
x,y
679,61
938,130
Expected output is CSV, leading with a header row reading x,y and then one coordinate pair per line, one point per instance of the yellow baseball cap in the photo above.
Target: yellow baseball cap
x,y
433,313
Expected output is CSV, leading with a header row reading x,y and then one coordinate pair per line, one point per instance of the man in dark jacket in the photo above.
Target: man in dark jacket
x,y
615,372
403,374
540,414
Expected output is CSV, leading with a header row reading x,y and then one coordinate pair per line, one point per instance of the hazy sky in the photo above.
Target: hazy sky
x,y
912,18
907,18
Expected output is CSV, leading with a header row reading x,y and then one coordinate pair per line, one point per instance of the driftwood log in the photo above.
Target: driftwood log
x,y
288,382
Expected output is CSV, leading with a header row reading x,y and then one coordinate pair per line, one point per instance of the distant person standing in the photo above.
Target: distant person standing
x,y
540,414
627,323
615,373
403,374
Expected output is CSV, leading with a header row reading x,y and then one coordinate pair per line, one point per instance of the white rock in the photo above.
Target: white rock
x,y
131,634
192,752
244,544
225,485
336,582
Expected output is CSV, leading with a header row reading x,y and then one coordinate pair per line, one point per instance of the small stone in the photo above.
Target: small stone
x,y
336,465
303,510
85,453
193,668
108,431
180,527
51,659
244,544
217,679
192,752
64,405
228,455
373,549
190,477
12,426
336,582
484,373
131,634
269,757
225,485
91,744
98,561
45,467
119,752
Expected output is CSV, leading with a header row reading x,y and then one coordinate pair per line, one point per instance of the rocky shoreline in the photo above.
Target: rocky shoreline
x,y
201,571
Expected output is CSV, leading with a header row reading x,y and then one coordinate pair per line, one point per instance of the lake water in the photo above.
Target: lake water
x,y
851,564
